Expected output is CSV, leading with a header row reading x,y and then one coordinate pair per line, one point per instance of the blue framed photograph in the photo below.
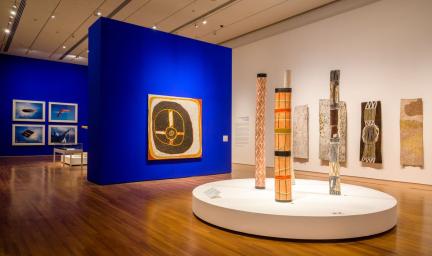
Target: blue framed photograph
x,y
62,134
27,110
28,135
61,112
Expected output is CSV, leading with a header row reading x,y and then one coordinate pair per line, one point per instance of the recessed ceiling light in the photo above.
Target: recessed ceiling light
x,y
13,12
52,16
154,27
64,46
14,6
98,13
11,17
204,22
7,31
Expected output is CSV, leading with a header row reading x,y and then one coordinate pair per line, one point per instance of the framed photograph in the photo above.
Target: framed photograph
x,y
28,135
62,134
61,112
28,111
174,127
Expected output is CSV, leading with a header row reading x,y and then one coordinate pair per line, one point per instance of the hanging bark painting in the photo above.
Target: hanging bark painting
x,y
370,143
334,175
411,132
282,158
174,127
260,170
301,132
324,129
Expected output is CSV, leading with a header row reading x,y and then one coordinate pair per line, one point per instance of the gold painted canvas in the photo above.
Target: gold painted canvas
x,y
411,132
174,127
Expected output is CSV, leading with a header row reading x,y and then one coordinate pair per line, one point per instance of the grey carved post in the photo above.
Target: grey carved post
x,y
334,178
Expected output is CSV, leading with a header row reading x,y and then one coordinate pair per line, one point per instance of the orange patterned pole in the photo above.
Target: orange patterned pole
x,y
283,168
260,170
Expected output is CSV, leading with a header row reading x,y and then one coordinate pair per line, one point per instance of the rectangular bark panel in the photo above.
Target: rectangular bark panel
x,y
411,132
324,130
301,132
371,132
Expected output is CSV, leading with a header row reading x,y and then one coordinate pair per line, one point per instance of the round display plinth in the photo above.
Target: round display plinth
x,y
313,214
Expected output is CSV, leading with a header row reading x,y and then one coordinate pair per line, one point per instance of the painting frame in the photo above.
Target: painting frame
x,y
14,134
15,108
50,139
51,118
195,150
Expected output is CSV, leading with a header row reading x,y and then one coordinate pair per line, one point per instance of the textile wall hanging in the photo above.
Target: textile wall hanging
x,y
411,132
370,143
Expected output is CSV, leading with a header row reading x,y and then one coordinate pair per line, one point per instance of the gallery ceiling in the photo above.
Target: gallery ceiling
x,y
57,29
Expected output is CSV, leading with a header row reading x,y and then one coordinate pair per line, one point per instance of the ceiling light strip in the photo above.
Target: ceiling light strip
x,y
114,12
42,28
79,26
246,17
15,24
137,10
175,12
205,15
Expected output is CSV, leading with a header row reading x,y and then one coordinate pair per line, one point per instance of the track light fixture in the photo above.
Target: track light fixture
x,y
154,27
13,12
7,31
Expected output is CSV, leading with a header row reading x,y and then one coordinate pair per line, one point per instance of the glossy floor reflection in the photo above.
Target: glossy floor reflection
x,y
47,209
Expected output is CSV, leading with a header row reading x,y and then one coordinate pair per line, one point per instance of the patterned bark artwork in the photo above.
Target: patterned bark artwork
x,y
260,171
334,175
282,160
411,132
324,129
301,132
370,144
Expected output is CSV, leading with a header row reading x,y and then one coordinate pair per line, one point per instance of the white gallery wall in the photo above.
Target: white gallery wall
x,y
384,52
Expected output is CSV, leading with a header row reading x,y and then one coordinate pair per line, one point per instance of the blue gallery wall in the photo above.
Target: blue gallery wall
x,y
128,62
32,79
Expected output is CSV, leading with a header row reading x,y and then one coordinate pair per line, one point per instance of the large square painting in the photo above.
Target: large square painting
x,y
28,134
28,111
174,127
62,134
63,112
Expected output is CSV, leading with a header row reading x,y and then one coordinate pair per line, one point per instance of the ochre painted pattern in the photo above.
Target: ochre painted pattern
x,y
282,128
260,132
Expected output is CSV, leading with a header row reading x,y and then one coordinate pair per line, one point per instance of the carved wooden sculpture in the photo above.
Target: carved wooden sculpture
x,y
283,167
334,178
260,169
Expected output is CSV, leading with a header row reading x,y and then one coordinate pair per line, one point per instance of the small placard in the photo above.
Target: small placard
x,y
212,193
225,138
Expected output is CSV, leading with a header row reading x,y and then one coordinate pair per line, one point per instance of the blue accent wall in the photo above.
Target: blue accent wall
x,y
128,62
31,79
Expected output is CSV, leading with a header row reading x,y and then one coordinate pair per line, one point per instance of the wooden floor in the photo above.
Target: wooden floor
x,y
46,209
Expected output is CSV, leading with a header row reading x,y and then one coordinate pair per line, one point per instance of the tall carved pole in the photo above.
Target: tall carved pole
x,y
334,178
282,164
260,169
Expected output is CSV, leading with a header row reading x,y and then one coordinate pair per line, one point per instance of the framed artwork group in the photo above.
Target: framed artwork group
x,y
34,134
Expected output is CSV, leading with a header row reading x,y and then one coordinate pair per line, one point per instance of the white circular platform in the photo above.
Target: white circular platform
x,y
313,213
